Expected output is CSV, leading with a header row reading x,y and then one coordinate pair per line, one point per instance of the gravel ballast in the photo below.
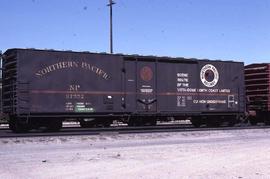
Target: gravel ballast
x,y
205,154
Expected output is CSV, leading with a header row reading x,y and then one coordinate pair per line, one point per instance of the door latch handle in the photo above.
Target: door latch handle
x,y
147,102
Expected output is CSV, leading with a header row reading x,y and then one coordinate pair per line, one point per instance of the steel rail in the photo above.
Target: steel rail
x,y
120,130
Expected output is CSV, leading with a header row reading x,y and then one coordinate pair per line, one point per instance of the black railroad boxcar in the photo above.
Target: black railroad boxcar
x,y
257,83
44,87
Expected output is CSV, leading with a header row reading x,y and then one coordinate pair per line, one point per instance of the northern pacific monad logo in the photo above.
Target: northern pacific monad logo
x,y
209,75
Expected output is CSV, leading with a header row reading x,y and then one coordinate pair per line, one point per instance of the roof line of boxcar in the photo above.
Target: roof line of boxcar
x,y
257,64
129,55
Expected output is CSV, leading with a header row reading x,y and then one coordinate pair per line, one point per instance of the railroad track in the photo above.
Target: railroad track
x,y
68,131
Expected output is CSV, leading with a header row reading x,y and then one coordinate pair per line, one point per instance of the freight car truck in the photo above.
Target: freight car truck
x,y
44,87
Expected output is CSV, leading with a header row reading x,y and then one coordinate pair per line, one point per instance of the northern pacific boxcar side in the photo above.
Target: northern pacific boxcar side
x,y
44,87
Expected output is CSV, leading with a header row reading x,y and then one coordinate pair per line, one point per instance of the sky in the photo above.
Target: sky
x,y
205,29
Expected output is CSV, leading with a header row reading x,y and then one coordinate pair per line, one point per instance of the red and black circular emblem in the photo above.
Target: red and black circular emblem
x,y
146,73
209,75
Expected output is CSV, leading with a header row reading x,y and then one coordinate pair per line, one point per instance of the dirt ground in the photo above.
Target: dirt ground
x,y
207,154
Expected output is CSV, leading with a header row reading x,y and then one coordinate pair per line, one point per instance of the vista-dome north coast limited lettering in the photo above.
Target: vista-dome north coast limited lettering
x,y
72,64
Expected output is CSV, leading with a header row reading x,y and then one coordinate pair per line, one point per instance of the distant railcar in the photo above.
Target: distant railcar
x,y
44,87
257,83
2,120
